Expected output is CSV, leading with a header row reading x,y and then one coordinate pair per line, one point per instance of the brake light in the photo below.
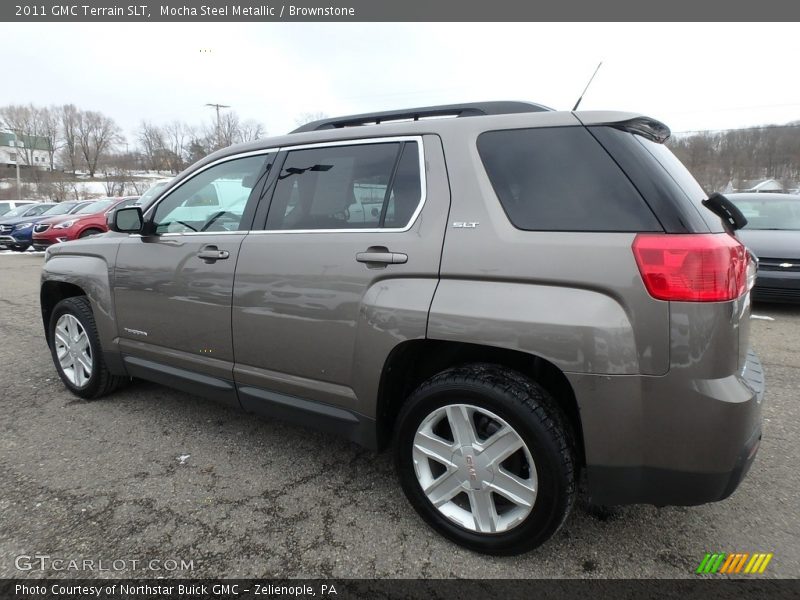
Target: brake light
x,y
708,267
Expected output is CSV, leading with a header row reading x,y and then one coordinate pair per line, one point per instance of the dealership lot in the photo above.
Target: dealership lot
x,y
155,479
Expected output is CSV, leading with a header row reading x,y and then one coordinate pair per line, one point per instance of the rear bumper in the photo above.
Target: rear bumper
x,y
669,440
667,487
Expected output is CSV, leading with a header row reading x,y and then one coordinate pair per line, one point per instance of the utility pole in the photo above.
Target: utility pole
x,y
16,155
219,132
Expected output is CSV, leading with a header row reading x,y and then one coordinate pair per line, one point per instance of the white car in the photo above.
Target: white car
x,y
7,205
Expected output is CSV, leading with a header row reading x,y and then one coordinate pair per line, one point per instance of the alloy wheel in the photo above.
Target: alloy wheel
x,y
73,350
475,468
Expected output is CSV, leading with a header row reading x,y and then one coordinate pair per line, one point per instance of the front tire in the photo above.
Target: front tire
x,y
89,232
75,348
486,457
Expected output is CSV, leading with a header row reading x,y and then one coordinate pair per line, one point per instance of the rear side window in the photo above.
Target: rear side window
x,y
362,186
561,179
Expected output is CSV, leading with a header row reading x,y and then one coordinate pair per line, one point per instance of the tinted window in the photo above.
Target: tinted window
x,y
347,187
95,207
61,209
17,212
561,179
213,200
406,190
38,209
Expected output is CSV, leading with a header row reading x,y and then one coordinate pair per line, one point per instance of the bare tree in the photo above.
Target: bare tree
x,y
97,134
70,115
251,130
151,139
177,136
51,129
227,130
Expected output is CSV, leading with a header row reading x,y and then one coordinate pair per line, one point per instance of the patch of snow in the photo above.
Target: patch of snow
x,y
183,458
762,317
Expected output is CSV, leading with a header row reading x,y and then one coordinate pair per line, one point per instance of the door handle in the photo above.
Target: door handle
x,y
212,253
379,256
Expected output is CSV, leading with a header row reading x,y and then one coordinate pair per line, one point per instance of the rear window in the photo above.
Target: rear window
x,y
561,179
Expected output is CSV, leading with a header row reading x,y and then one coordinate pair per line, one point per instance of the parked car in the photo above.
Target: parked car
x,y
152,192
54,217
7,205
16,226
773,234
89,220
505,322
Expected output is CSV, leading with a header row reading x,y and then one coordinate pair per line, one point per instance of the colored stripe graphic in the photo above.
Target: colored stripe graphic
x,y
723,563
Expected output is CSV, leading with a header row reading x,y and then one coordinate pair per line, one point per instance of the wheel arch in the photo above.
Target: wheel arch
x,y
50,294
412,362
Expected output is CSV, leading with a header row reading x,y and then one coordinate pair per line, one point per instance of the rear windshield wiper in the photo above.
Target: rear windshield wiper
x,y
726,210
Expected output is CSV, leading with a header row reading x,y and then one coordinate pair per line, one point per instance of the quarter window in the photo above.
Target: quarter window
x,y
213,200
362,186
561,179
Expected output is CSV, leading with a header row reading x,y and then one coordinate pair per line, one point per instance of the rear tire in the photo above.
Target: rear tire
x,y
510,481
75,348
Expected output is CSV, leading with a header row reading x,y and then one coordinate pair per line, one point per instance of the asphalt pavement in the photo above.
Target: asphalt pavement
x,y
167,484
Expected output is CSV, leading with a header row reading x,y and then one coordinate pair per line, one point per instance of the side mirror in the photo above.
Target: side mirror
x,y
126,220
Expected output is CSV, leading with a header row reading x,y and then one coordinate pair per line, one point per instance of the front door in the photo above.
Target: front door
x,y
173,288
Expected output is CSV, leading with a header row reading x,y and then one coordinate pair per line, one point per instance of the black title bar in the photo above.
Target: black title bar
x,y
104,11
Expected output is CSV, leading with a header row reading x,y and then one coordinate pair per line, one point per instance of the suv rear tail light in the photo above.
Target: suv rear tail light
x,y
708,267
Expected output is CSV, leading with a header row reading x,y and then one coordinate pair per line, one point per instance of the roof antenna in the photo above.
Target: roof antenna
x,y
574,108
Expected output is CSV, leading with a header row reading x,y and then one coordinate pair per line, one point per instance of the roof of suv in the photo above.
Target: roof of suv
x,y
464,118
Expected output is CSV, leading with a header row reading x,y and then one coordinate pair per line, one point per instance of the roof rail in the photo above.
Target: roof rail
x,y
472,109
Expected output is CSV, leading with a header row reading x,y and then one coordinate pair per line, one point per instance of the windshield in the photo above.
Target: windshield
x,y
37,209
151,193
16,212
60,209
96,207
770,214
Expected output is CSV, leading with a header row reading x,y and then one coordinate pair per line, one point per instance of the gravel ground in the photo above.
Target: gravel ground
x,y
154,474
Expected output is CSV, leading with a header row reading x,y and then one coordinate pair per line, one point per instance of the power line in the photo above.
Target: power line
x,y
753,128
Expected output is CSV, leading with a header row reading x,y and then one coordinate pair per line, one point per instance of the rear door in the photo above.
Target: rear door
x,y
173,288
343,269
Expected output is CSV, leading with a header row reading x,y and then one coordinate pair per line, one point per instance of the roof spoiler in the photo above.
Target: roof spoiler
x,y
648,128
472,109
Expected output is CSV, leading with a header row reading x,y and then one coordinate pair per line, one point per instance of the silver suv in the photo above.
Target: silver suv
x,y
511,298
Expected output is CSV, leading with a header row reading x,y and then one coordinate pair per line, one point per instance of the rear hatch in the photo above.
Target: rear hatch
x,y
680,204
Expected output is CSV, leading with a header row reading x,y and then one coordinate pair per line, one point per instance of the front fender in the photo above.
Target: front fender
x,y
92,271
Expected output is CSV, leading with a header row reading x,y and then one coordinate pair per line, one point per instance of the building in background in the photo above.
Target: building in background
x,y
30,151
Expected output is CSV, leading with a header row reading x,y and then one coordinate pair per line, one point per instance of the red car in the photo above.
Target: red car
x,y
90,220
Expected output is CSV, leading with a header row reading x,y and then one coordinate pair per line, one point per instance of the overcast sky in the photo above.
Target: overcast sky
x,y
691,76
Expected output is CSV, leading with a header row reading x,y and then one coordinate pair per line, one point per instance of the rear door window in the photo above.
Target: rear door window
x,y
561,179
